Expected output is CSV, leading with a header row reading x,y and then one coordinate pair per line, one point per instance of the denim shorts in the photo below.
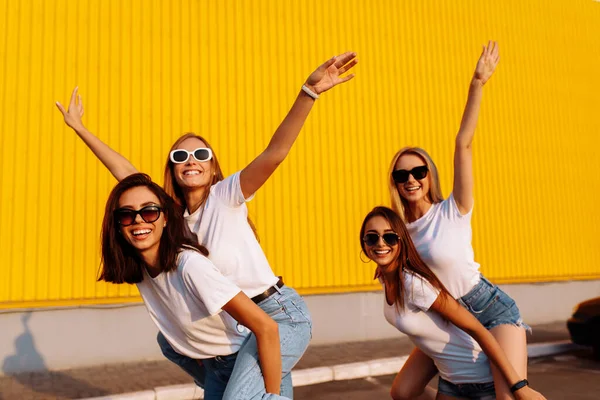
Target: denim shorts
x,y
491,306
481,391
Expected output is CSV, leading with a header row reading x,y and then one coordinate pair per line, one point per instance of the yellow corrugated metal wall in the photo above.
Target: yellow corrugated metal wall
x,y
150,70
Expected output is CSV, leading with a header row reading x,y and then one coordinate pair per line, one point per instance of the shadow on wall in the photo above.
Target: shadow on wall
x,y
53,383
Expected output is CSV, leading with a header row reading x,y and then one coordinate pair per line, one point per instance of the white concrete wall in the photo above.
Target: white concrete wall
x,y
69,338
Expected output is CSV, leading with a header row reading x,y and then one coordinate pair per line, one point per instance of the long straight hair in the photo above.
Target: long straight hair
x,y
408,260
175,191
121,262
434,195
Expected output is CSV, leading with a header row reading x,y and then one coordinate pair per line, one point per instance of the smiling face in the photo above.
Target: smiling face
x,y
382,252
193,173
143,236
413,190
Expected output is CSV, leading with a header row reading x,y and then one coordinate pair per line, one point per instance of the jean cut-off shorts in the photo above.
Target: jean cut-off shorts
x,y
475,391
492,307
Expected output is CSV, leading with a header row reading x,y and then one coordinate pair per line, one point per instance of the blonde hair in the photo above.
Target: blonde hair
x,y
175,191
435,192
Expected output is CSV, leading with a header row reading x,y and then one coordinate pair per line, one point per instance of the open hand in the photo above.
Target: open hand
x,y
486,65
328,74
75,111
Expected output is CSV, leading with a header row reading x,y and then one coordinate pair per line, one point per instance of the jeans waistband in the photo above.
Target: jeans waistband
x,y
481,285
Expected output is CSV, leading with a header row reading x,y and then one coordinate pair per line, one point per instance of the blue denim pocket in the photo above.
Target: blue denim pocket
x,y
271,306
482,300
491,306
286,307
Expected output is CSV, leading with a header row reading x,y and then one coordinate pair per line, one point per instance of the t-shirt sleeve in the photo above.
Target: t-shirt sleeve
x,y
205,282
421,294
452,212
229,191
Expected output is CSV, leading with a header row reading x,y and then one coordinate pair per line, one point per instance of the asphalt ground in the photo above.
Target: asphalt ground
x,y
104,380
574,375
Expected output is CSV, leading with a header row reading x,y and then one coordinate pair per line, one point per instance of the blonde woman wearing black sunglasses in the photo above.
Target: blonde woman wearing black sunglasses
x,y
441,232
215,210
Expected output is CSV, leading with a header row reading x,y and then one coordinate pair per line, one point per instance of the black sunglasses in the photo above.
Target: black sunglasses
x,y
401,175
390,238
126,216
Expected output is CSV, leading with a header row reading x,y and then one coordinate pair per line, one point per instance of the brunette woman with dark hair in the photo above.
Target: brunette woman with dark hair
x,y
418,304
144,242
215,210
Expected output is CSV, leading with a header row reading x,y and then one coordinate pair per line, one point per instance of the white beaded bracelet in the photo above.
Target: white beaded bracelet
x,y
310,92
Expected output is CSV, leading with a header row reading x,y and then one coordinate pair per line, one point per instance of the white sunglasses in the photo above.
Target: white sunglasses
x,y
181,156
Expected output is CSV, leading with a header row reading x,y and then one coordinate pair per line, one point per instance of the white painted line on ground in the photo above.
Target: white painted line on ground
x,y
566,358
344,372
179,392
144,395
551,348
312,376
386,366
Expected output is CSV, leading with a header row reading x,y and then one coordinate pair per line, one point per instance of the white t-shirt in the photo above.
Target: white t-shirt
x,y
221,225
443,239
457,356
185,305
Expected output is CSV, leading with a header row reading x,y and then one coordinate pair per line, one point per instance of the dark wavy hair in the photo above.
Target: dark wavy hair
x,y
121,262
175,191
409,260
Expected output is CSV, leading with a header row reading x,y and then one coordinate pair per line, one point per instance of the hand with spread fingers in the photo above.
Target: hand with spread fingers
x,y
328,74
486,65
75,111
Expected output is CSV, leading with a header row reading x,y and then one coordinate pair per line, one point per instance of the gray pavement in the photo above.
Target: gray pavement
x,y
123,378
570,376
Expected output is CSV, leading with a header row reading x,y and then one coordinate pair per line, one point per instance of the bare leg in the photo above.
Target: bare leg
x,y
514,343
411,382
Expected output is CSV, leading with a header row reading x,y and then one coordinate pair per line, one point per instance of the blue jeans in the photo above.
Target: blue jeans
x,y
189,365
246,381
288,309
481,391
218,371
491,306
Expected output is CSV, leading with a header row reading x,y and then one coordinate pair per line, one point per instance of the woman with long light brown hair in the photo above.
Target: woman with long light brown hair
x,y
441,231
418,304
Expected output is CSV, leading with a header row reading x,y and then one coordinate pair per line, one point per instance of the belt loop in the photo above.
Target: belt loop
x,y
276,286
487,280
278,289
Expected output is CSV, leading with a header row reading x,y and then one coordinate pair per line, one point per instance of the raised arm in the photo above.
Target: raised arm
x,y
118,165
247,313
322,79
463,159
449,308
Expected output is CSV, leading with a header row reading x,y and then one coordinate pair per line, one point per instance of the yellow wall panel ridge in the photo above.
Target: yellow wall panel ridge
x,y
150,70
